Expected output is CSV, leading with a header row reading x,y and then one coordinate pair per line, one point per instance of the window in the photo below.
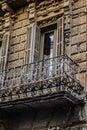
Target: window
x,y
43,43
48,45
52,45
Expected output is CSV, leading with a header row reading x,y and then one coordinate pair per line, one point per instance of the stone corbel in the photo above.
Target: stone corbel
x,y
6,8
8,16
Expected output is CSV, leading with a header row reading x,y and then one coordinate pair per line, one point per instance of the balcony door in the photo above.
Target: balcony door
x,y
49,52
48,45
54,47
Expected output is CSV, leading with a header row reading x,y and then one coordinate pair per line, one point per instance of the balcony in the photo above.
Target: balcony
x,y
44,81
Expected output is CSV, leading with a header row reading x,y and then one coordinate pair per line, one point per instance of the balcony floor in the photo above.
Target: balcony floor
x,y
58,99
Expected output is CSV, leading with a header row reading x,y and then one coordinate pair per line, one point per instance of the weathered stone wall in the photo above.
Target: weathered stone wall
x,y
76,36
79,38
75,26
18,38
46,13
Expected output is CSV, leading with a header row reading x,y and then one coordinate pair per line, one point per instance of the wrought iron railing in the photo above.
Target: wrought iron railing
x,y
59,72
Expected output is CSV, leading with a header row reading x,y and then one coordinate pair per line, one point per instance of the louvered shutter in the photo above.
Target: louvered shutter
x,y
59,46
35,44
32,44
32,50
60,37
4,51
28,46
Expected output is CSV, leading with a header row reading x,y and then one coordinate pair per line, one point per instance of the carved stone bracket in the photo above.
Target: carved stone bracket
x,y
6,8
8,16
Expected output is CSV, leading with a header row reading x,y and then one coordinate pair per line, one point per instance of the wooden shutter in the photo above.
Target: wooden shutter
x,y
36,42
59,47
32,50
60,37
4,51
28,46
32,44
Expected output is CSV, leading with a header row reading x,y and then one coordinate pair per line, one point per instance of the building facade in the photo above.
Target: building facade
x,y
43,64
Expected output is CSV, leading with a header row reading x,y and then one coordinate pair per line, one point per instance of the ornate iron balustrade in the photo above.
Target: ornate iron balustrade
x,y
52,75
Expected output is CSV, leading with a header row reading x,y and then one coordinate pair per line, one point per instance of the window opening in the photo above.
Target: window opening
x,y
48,51
48,45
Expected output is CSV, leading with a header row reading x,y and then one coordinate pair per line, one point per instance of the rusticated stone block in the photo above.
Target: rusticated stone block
x,y
17,47
82,78
80,57
79,20
82,47
74,49
75,31
23,16
79,38
21,54
15,40
21,31
13,57
15,63
23,37
83,28
79,4
25,22
17,25
82,67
